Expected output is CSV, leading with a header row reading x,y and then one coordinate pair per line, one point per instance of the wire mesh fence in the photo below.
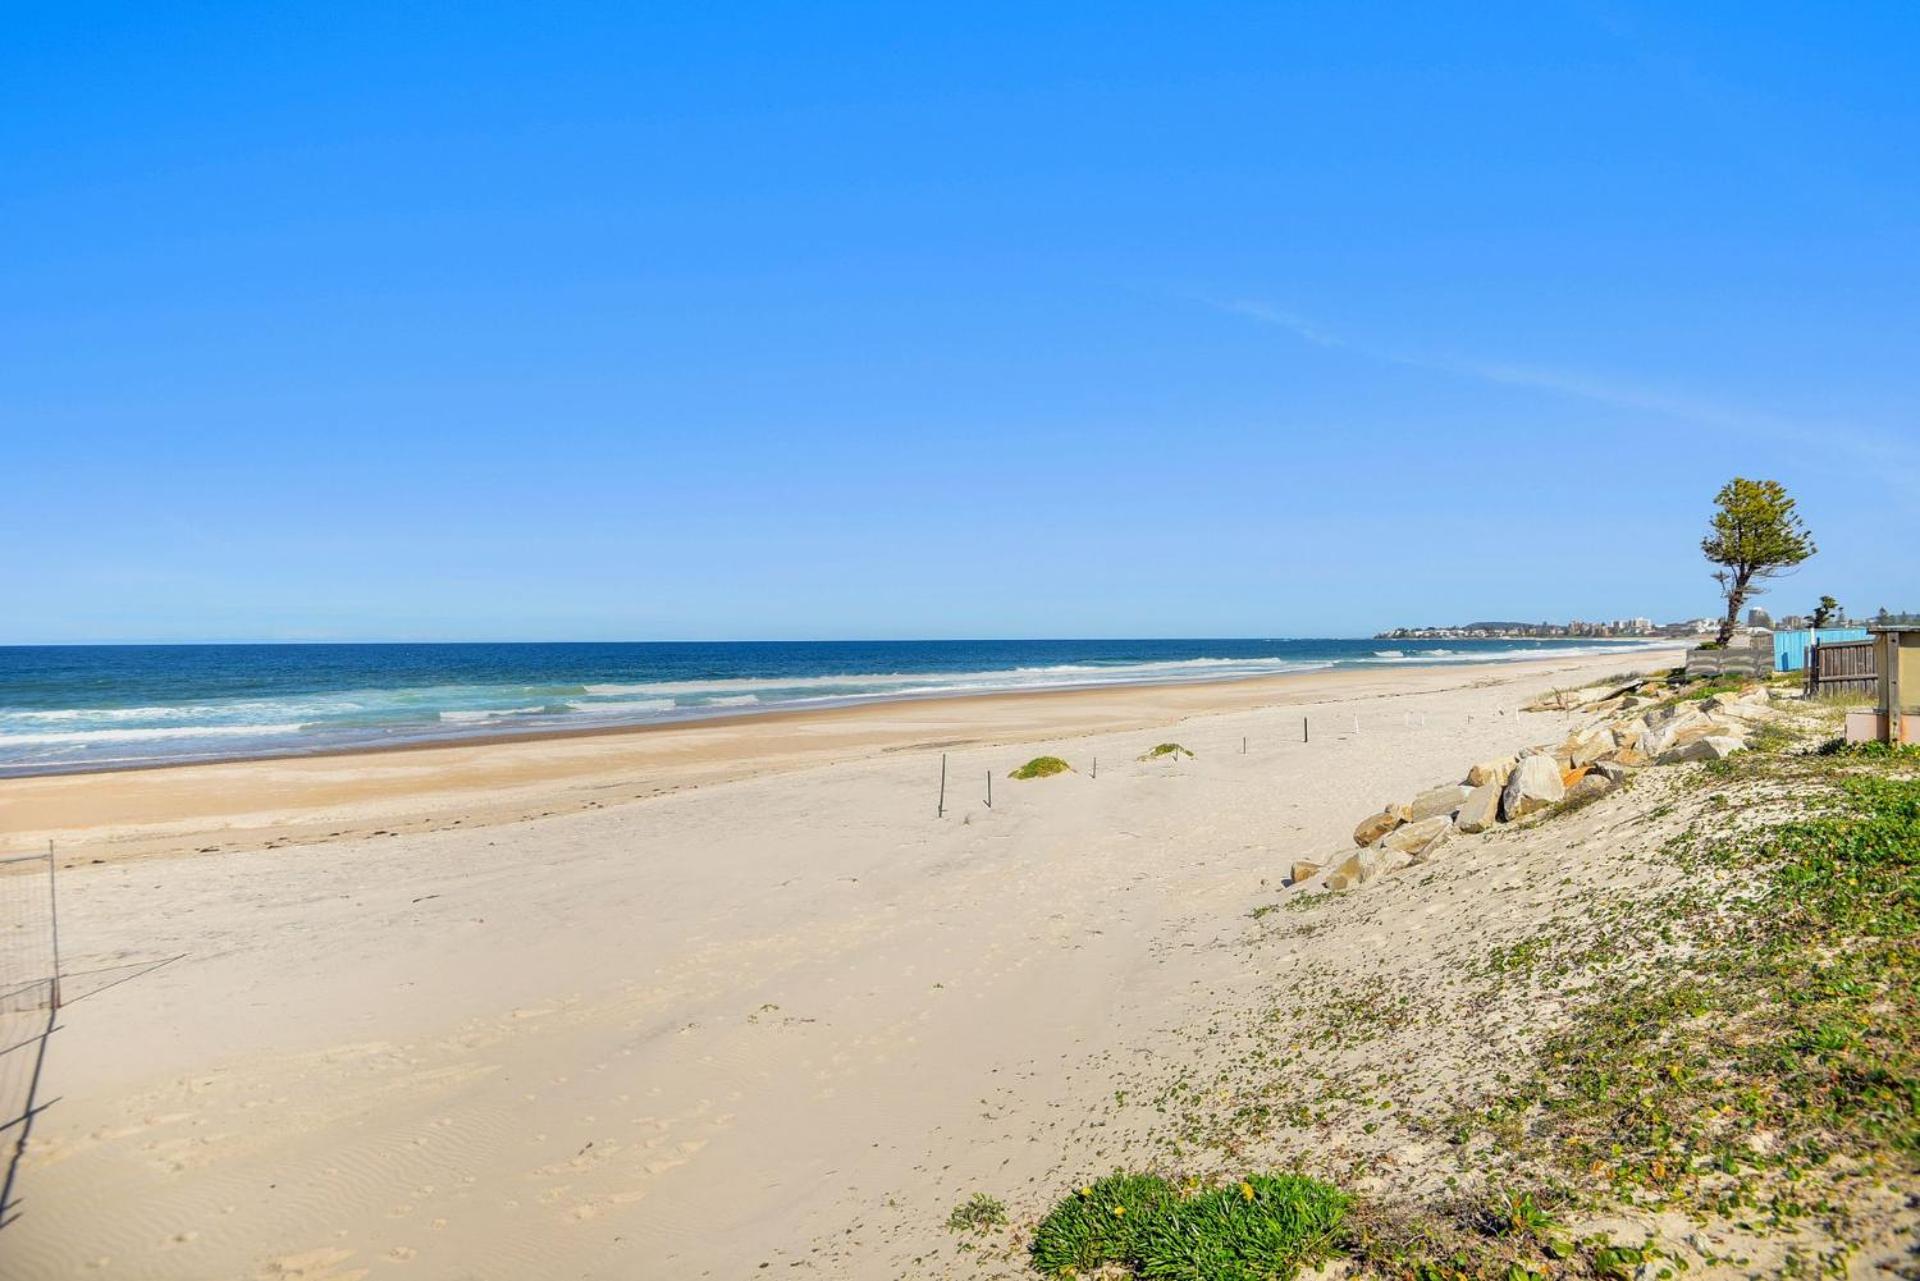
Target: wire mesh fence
x,y
29,1001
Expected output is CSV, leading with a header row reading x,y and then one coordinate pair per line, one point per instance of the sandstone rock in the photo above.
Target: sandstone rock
x,y
1303,871
1494,772
1676,732
1481,809
1534,785
1613,770
1365,866
1439,800
1421,838
1713,747
1631,757
1375,826
1630,734
1588,746
1572,775
1590,787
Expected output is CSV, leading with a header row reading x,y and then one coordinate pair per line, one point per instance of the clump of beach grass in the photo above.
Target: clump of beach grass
x,y
1042,767
978,1213
1162,750
1262,1228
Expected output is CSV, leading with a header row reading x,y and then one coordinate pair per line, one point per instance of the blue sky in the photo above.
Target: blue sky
x,y
633,322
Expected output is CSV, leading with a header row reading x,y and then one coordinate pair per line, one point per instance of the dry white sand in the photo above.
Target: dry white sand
x,y
787,1020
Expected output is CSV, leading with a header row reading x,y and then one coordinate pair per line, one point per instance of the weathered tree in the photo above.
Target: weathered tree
x,y
1825,612
1755,534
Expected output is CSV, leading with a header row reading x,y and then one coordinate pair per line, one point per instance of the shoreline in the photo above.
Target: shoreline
x,y
340,794
448,735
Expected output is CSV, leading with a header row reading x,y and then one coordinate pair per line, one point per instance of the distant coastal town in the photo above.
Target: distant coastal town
x,y
1618,629
1639,628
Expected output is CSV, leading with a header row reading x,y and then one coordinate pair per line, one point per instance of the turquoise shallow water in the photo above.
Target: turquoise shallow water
x,y
68,708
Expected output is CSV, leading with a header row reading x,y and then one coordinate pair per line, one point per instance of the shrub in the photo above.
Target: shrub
x,y
1174,750
1260,1229
1099,1224
1042,767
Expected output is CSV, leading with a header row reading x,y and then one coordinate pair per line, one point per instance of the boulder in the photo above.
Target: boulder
x,y
1630,757
1590,787
1481,809
1570,776
1364,866
1494,771
1533,785
1303,871
1421,838
1613,770
1713,747
1375,826
1630,734
1588,745
1439,800
1676,732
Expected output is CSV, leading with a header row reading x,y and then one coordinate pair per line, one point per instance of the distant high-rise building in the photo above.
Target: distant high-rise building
x,y
1758,617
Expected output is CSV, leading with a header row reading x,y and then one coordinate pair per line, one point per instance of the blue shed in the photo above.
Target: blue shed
x,y
1790,648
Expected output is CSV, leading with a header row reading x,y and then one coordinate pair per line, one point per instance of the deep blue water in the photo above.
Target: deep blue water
x,y
89,707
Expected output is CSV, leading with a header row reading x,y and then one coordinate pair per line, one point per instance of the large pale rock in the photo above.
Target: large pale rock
x,y
1303,871
1494,771
1421,838
1534,785
1481,809
1631,757
1677,732
1375,826
1438,800
1713,747
1366,865
1588,746
1630,734
1735,712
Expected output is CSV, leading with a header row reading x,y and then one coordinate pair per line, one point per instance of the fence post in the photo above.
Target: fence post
x,y
53,907
940,810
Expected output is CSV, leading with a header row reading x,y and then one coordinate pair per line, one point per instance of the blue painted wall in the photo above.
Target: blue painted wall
x,y
1790,648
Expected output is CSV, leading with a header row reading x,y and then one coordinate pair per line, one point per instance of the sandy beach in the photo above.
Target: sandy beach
x,y
670,1003
681,1003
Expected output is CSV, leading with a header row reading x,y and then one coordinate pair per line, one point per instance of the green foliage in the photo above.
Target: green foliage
x,y
1754,534
978,1213
1174,750
1263,1228
1781,1058
1824,612
1042,767
1099,1224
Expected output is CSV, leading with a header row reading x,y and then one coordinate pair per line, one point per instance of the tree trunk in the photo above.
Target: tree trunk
x,y
1736,597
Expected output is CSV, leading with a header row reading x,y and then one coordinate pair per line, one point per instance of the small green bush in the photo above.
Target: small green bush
x,y
1261,1229
978,1213
1099,1224
1042,767
1174,750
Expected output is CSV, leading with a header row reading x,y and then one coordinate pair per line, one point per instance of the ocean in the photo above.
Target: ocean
x,y
81,707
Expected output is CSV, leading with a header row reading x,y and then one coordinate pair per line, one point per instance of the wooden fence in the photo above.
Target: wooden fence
x,y
1842,669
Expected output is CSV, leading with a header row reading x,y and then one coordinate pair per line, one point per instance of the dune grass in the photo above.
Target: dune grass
x,y
1164,750
1042,767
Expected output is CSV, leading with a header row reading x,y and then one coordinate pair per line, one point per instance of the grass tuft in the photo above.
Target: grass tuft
x,y
978,1213
1174,750
1042,767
